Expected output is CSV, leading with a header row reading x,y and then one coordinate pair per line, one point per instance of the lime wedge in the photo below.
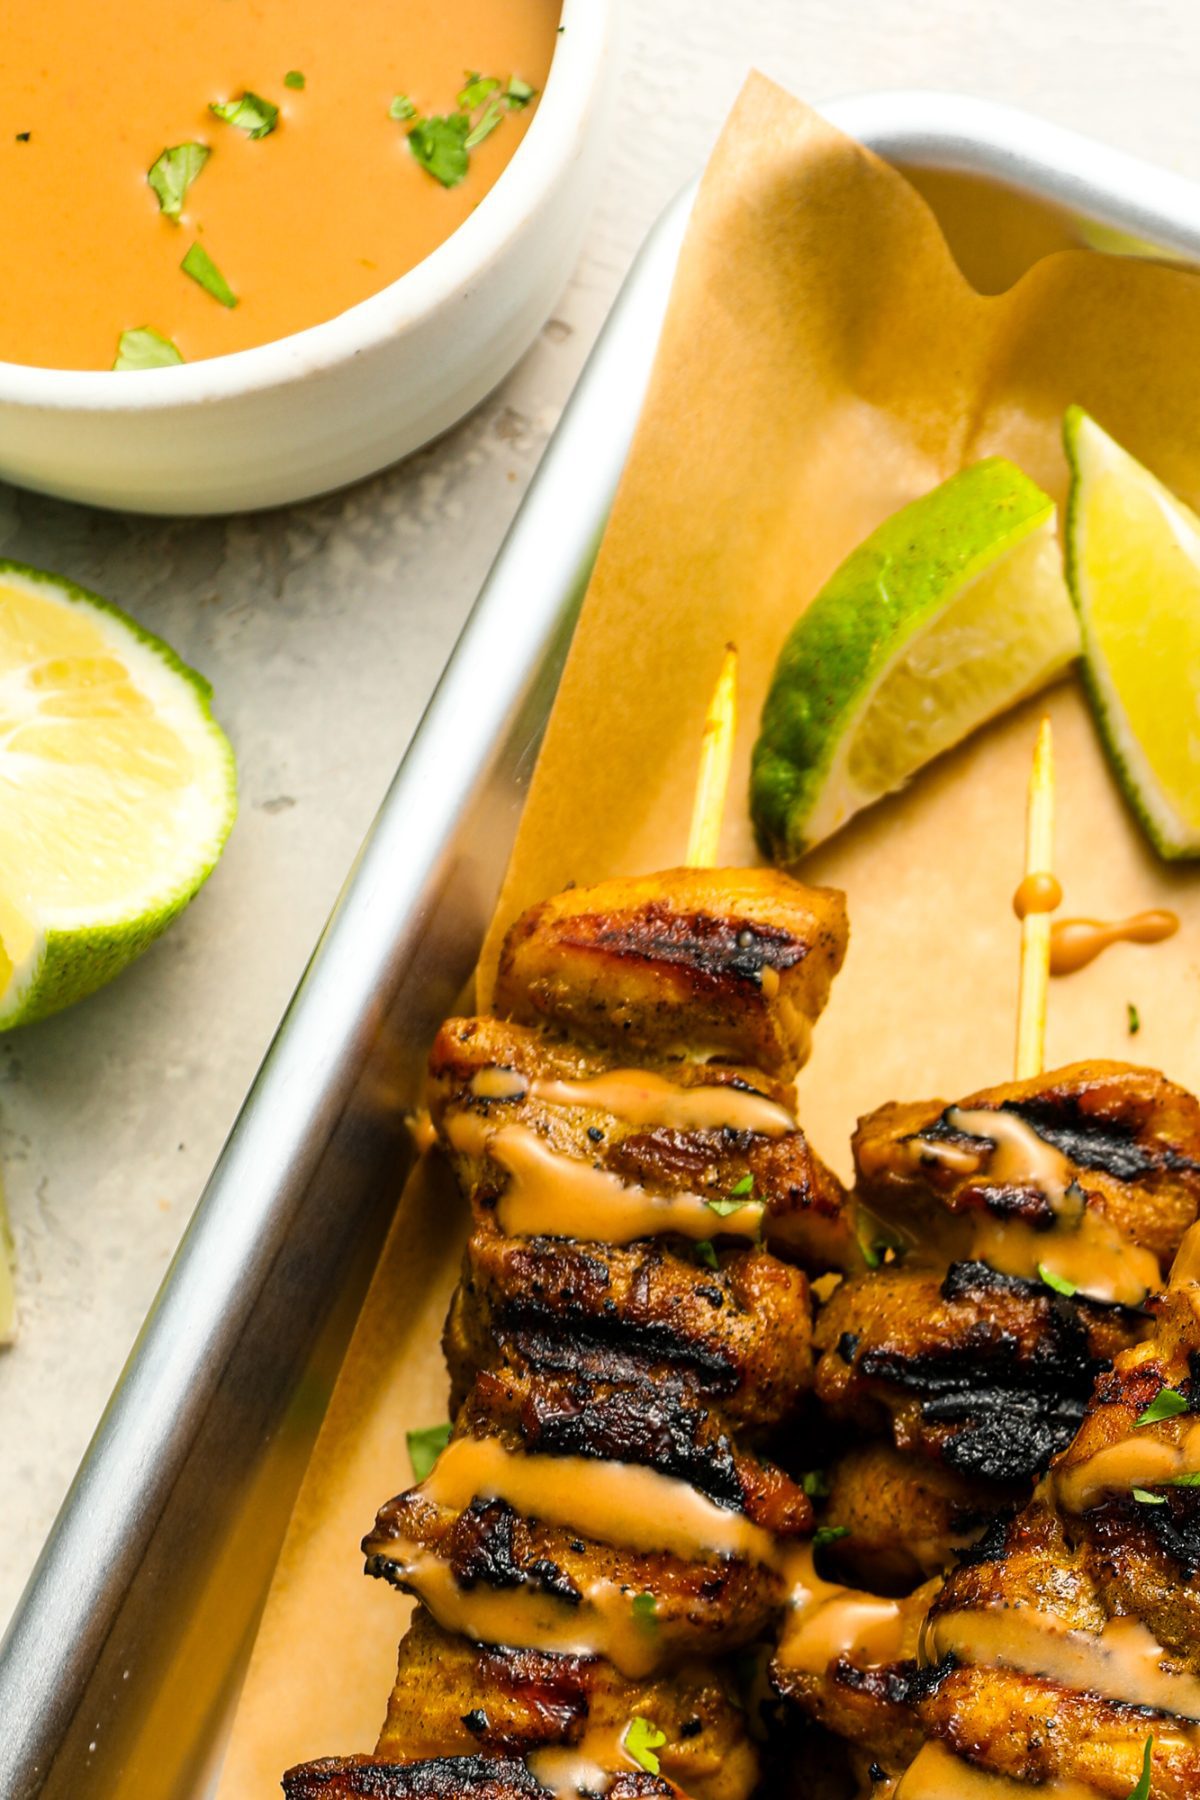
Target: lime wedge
x,y
950,612
1133,564
117,791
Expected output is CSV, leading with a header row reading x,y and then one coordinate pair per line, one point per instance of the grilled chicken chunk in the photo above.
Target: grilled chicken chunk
x,y
1072,1635
547,1139
1126,1139
738,1334
905,1516
847,1659
445,1778
456,1698
623,1513
988,1373
728,964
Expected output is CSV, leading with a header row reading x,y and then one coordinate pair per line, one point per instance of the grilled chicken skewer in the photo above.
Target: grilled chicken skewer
x,y
634,1315
1031,1222
1072,1639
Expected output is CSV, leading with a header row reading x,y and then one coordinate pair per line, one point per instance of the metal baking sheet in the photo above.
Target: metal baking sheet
x,y
121,1664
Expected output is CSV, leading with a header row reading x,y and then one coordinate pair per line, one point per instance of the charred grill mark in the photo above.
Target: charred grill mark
x,y
1108,1145
711,949
890,1683
1173,1526
484,1550
612,1348
441,1778
653,1425
1008,1411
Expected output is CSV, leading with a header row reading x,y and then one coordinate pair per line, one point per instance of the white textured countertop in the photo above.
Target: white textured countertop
x,y
323,629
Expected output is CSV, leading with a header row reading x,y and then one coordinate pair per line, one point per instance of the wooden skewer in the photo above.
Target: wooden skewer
x,y
1035,921
716,759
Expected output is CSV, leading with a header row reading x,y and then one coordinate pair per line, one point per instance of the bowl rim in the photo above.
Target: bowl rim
x,y
438,279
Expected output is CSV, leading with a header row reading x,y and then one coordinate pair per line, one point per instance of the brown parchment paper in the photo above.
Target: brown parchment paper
x,y
824,361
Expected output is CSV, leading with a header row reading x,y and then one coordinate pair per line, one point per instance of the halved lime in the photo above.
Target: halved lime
x,y
950,612
1133,564
117,791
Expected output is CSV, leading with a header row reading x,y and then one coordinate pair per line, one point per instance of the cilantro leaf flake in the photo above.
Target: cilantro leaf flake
x,y
829,1534
294,79
486,125
172,173
518,93
145,348
402,108
1059,1283
1141,1788
478,89
249,113
645,1609
642,1738
1134,1017
439,145
425,1446
201,267
1168,1403
815,1483
706,1253
1144,1497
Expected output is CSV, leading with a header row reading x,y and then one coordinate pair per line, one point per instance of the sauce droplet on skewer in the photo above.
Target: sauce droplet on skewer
x,y
1074,943
1038,893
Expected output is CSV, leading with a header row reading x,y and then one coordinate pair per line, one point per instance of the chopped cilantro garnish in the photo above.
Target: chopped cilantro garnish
x,y
642,1738
249,113
1192,1479
1141,1789
645,1609
23,137
294,78
172,173
518,93
829,1534
1167,1404
1059,1283
401,108
1144,1497
815,1483
201,267
425,1446
486,125
477,90
145,348
440,146
1135,1023
706,1254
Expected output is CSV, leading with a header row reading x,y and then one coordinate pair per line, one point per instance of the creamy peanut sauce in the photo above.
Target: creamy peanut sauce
x,y
1074,943
937,1774
321,213
617,1503
1038,893
640,1097
1139,1460
827,1620
1123,1662
1083,1247
1142,1458
553,1195
524,1618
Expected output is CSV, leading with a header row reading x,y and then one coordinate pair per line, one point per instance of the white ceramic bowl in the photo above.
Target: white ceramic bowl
x,y
333,403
